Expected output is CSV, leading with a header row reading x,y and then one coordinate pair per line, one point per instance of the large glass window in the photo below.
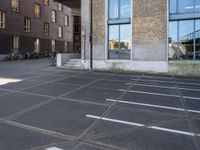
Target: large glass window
x,y
186,6
119,30
173,40
197,39
186,39
15,42
173,6
113,9
37,11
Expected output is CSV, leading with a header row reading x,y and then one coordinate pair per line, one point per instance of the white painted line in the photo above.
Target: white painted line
x,y
114,120
150,105
166,87
178,82
142,125
150,93
150,85
54,148
158,94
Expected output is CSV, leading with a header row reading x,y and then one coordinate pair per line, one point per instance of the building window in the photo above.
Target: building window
x,y
15,5
119,29
37,45
60,32
37,10
27,24
53,45
15,42
184,6
184,40
67,20
53,15
46,28
60,7
46,2
2,19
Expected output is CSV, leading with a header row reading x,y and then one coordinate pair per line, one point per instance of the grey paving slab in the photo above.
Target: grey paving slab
x,y
110,84
76,81
189,86
94,95
153,78
154,90
20,85
89,147
46,78
150,139
68,73
14,138
94,75
192,104
62,116
190,93
197,81
3,92
165,84
153,99
13,103
139,116
126,78
51,89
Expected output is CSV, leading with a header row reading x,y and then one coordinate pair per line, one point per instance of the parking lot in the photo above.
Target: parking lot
x,y
44,108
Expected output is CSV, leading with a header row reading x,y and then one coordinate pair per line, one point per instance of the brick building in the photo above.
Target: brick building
x,y
35,26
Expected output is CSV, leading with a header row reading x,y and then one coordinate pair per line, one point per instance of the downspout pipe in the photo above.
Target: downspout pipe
x,y
91,35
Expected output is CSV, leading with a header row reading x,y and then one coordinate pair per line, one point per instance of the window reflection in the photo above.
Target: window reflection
x,y
186,6
173,40
173,6
186,39
197,38
113,9
119,41
125,9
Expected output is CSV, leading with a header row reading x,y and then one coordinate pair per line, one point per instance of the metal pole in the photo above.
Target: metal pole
x,y
91,35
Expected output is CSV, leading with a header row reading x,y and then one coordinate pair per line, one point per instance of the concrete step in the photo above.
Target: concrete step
x,y
73,64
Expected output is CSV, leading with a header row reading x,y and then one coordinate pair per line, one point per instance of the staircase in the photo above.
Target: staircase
x,y
73,64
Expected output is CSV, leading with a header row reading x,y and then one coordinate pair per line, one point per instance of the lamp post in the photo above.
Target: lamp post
x,y
91,35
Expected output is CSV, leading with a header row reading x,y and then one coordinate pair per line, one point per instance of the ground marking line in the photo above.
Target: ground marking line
x,y
166,87
159,94
151,105
54,148
150,93
142,125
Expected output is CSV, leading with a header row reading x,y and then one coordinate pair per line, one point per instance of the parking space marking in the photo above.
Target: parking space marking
x,y
160,81
166,87
54,148
159,94
155,106
141,125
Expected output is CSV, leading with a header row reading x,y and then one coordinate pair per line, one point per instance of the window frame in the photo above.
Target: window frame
x,y
66,20
118,21
2,19
15,8
35,10
53,18
14,37
60,32
46,2
48,25
27,25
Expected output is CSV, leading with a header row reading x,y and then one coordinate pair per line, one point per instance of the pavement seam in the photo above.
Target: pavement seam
x,y
88,131
190,122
